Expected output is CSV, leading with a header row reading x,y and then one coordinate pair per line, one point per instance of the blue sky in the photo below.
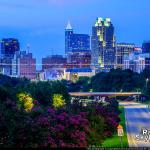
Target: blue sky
x,y
41,23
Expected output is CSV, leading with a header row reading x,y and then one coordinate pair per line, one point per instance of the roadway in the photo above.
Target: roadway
x,y
103,94
137,118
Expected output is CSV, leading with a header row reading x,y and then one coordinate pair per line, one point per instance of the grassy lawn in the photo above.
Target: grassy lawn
x,y
115,140
147,102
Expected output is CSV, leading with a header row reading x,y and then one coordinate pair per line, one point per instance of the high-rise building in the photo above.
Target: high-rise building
x,y
24,65
146,47
80,41
8,47
103,44
75,41
53,61
68,34
77,49
27,66
123,49
5,67
15,63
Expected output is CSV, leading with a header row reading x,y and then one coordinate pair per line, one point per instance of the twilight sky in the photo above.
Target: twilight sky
x,y
41,23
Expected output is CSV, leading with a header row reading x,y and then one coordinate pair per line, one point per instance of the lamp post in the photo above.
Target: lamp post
x,y
147,82
115,95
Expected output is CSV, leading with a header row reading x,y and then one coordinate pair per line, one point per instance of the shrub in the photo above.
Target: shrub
x,y
41,127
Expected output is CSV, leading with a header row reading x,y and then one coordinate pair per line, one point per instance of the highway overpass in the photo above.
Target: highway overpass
x,y
104,94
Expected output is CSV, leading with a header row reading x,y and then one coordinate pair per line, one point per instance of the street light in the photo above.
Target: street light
x,y
147,82
138,98
115,95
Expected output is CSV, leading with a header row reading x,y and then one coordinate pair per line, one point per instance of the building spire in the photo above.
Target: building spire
x,y
69,27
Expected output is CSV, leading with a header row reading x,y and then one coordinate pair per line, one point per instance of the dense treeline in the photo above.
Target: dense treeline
x,y
43,91
114,81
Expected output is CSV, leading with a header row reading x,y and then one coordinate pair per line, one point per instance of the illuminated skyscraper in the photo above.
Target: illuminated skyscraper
x,y
8,47
68,34
103,45
76,41
77,48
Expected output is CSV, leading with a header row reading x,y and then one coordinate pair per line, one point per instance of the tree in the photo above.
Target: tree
x,y
115,80
147,91
3,93
59,88
41,91
58,101
84,83
25,102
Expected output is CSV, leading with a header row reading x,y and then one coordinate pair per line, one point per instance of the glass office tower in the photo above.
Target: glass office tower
x,y
103,45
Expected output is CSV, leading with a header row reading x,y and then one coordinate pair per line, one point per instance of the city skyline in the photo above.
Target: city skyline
x,y
39,23
75,74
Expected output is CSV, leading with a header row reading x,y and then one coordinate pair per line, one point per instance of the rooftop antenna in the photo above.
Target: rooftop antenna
x,y
28,48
